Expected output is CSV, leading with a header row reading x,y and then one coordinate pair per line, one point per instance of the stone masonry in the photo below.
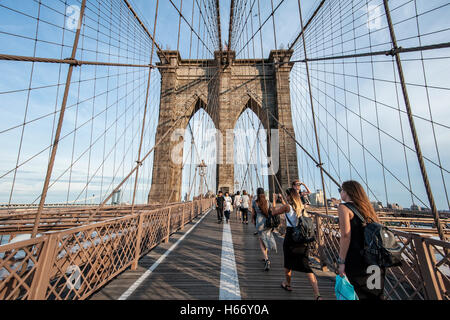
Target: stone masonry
x,y
224,87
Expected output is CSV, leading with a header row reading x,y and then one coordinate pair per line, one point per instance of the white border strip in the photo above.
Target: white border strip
x,y
147,273
229,281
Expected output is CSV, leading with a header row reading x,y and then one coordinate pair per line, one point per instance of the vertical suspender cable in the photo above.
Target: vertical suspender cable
x,y
412,125
60,122
145,110
312,110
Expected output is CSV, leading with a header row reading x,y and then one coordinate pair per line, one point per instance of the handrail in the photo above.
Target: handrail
x,y
75,262
425,270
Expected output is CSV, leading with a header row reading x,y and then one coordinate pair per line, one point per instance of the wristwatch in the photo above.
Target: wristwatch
x,y
340,261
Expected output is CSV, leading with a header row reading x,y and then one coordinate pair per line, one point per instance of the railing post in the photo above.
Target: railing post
x,y
319,235
180,221
426,269
192,211
41,279
168,226
138,242
182,217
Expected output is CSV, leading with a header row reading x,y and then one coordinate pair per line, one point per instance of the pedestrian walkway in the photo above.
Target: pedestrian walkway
x,y
197,264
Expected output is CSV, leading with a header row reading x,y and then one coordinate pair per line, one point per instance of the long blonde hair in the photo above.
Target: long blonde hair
x,y
297,203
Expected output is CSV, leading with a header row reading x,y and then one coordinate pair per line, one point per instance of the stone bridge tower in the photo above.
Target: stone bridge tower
x,y
224,87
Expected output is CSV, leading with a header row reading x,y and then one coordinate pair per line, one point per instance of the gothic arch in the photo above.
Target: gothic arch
x,y
232,88
250,102
196,102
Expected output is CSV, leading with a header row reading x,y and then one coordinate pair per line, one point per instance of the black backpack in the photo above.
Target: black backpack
x,y
272,221
304,231
380,245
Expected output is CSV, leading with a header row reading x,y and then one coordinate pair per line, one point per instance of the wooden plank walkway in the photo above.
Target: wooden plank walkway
x,y
192,270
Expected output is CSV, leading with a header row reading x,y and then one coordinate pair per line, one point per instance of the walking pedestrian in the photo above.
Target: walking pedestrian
x,y
220,200
351,261
245,204
261,207
237,205
228,206
296,255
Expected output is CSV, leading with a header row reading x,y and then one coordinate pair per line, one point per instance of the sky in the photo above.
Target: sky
x,y
102,125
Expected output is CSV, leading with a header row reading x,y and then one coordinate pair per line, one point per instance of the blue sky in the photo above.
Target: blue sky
x,y
107,113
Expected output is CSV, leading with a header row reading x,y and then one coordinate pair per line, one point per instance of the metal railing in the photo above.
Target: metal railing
x,y
74,263
425,270
21,221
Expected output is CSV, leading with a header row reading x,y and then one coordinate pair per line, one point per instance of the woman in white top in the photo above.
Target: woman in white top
x,y
228,206
295,255
237,205
245,204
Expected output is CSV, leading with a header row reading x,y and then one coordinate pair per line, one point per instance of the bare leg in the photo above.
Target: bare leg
x,y
312,279
263,249
288,274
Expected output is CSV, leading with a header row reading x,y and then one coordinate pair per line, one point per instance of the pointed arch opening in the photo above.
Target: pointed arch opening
x,y
250,103
250,151
199,149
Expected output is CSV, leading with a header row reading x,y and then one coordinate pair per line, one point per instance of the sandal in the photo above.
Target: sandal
x,y
286,287
319,297
267,265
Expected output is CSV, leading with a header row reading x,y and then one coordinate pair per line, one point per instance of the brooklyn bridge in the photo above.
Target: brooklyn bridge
x,y
122,120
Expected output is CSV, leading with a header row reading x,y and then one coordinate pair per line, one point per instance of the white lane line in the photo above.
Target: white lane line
x,y
147,273
229,281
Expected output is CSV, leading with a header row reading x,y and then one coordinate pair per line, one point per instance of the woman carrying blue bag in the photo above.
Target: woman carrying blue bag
x,y
351,261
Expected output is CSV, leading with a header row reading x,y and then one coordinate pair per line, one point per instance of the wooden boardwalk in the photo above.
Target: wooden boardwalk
x,y
192,271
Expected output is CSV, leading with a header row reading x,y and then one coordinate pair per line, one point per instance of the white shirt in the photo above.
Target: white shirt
x,y
245,201
237,200
228,203
292,217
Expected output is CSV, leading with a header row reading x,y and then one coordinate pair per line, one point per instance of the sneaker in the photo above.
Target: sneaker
x,y
267,266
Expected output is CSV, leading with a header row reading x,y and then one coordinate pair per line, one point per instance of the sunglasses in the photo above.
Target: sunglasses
x,y
340,190
298,184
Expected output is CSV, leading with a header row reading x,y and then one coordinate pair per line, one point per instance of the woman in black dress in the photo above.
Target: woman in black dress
x,y
295,255
351,261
